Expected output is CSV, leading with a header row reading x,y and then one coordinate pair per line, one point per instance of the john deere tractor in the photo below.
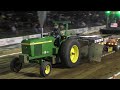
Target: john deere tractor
x,y
48,50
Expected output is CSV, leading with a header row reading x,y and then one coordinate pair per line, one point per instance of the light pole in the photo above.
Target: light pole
x,y
107,22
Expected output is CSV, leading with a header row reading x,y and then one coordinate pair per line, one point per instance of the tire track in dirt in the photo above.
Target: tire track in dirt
x,y
93,70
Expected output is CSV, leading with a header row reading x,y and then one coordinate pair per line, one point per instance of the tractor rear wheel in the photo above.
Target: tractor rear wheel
x,y
45,68
16,65
70,53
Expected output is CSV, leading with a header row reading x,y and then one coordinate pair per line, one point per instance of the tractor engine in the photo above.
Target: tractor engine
x,y
39,47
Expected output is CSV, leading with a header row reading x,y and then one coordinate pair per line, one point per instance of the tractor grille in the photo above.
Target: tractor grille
x,y
37,50
26,49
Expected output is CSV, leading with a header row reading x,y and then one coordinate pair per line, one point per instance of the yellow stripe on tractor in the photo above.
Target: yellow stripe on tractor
x,y
36,43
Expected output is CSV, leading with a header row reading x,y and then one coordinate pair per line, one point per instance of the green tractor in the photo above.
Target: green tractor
x,y
47,51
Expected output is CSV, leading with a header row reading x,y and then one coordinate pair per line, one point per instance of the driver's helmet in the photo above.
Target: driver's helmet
x,y
56,26
61,27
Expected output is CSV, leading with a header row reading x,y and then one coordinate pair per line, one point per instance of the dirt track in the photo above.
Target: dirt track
x,y
110,64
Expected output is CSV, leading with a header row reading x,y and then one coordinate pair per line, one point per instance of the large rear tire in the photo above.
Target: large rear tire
x,y
70,53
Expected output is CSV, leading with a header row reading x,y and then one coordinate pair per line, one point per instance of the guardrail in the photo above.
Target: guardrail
x,y
16,40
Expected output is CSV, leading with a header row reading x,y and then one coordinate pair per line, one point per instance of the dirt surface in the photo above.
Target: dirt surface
x,y
88,70
10,49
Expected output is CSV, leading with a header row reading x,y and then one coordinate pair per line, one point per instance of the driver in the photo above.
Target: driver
x,y
56,31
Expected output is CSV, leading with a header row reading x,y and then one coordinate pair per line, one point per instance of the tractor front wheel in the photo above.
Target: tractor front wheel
x,y
45,68
16,65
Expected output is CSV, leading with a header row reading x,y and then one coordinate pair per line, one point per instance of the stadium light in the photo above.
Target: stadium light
x,y
108,12
118,13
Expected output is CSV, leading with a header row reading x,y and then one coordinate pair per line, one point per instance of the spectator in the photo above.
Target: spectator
x,y
14,29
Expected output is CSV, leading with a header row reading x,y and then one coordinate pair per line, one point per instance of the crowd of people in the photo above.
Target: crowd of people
x,y
27,22
81,18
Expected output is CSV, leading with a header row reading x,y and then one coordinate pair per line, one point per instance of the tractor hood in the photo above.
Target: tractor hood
x,y
35,41
38,47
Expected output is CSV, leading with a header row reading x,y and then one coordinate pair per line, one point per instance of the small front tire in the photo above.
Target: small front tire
x,y
16,65
45,68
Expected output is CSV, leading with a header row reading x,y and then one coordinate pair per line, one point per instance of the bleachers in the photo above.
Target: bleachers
x,y
25,21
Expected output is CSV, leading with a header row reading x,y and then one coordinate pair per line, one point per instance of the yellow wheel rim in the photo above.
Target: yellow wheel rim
x,y
74,54
47,69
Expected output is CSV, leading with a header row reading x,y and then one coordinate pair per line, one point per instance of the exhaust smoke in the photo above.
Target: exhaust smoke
x,y
42,17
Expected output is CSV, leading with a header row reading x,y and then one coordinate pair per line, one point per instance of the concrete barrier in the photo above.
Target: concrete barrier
x,y
16,40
